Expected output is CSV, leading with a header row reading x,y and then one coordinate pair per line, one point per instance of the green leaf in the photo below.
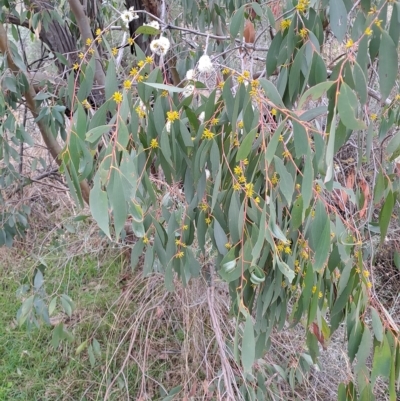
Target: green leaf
x,y
338,18
354,340
360,83
255,253
394,29
248,345
306,185
376,324
98,201
364,349
147,30
95,134
286,183
136,252
285,270
273,53
169,88
301,144
386,214
343,297
271,92
165,147
245,146
66,306
52,306
347,107
380,186
273,143
330,150
257,8
237,22
234,208
388,65
382,361
116,196
323,246
296,214
315,92
81,347
220,238
111,80
294,76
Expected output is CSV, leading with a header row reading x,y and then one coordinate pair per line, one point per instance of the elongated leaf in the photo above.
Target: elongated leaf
x,y
381,364
301,144
377,325
165,87
248,345
330,149
315,92
338,18
286,183
237,22
364,349
98,201
323,246
347,107
220,238
386,214
285,270
388,65
245,146
271,92
116,196
95,134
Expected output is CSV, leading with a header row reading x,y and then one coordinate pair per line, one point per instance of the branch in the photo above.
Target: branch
x,y
50,141
86,33
209,35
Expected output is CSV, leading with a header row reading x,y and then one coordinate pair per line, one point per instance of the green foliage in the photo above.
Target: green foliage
x,y
256,161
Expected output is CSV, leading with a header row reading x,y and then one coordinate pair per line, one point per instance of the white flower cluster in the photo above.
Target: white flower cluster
x,y
153,24
129,15
205,64
188,90
201,117
160,46
190,75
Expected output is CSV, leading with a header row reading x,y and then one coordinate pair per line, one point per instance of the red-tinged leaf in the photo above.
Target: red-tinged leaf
x,y
365,190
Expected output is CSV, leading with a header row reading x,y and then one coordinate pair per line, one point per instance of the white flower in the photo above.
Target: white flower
x,y
164,43
142,106
207,174
397,160
160,46
201,117
190,75
188,90
129,15
153,24
168,126
205,64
